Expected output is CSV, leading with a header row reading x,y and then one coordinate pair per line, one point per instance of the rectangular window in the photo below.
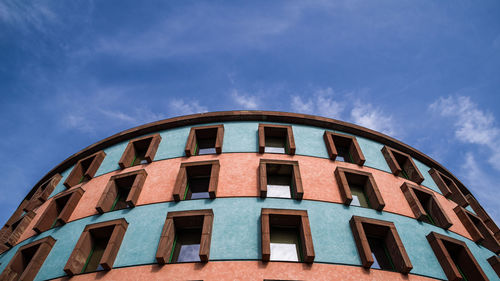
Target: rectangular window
x,y
28,260
455,258
140,151
197,180
280,178
343,148
205,140
480,212
494,261
286,236
276,139
379,245
122,191
477,229
17,228
85,169
358,188
402,164
97,247
186,237
448,187
42,193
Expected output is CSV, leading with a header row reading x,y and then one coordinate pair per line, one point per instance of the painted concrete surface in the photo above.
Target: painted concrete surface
x,y
236,234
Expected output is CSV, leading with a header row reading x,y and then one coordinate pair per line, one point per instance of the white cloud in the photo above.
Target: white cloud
x,y
180,107
27,15
321,103
245,100
366,115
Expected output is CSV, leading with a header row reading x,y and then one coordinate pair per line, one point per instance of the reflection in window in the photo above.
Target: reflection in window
x,y
358,196
275,144
187,245
278,186
99,244
285,244
380,254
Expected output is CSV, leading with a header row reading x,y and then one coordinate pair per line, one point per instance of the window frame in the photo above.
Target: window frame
x,y
287,217
290,141
50,214
354,148
480,212
182,177
441,219
129,152
371,189
23,222
45,245
494,261
77,173
40,196
80,253
410,167
436,242
183,219
384,230
297,192
449,191
190,148
478,231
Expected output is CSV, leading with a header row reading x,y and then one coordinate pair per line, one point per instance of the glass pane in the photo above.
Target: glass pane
x,y
381,258
189,253
343,154
199,195
358,196
275,145
204,151
187,245
94,258
198,188
279,191
284,244
274,150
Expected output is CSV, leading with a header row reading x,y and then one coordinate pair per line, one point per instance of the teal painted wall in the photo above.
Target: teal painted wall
x,y
236,234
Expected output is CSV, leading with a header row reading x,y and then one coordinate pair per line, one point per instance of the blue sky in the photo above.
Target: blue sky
x,y
75,72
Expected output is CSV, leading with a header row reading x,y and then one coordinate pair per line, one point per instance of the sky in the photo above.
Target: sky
x,y
75,72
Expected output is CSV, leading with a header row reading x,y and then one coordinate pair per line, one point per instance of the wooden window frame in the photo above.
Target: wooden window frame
x,y
129,153
40,196
494,261
480,212
409,166
384,230
12,236
297,191
290,141
180,220
11,271
356,153
78,257
50,214
450,191
436,242
371,189
182,177
191,144
437,214
286,217
77,173
110,192
477,229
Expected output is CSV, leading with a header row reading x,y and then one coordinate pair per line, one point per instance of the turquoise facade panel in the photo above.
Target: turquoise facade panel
x,y
60,186
309,141
172,143
428,181
373,154
241,137
113,155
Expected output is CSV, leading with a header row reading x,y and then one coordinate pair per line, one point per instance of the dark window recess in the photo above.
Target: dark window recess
x,y
59,210
379,245
197,180
402,165
280,178
276,139
448,187
17,228
358,188
425,205
343,148
97,247
85,169
122,191
286,236
205,140
455,258
186,237
480,212
477,229
494,261
28,260
140,151
42,193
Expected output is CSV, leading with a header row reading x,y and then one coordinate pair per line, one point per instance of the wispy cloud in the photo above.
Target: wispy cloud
x,y
27,15
244,100
367,115
180,107
321,103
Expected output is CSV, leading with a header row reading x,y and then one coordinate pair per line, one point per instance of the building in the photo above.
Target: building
x,y
249,195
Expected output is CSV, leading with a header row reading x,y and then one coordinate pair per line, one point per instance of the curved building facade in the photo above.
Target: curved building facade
x,y
249,195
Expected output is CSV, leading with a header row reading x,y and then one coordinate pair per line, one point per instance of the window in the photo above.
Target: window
x,y
286,236
276,139
402,165
42,193
490,223
197,180
122,191
17,228
28,260
85,169
448,187
59,210
477,229
140,151
379,245
425,205
280,178
97,247
186,237
455,258
205,140
494,261
343,148
358,188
